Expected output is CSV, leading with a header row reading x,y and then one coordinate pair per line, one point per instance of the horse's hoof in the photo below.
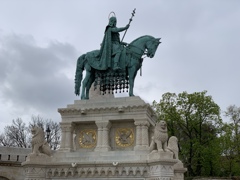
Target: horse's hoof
x,y
84,98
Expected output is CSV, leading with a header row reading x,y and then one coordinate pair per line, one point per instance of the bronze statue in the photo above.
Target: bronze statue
x,y
115,65
111,46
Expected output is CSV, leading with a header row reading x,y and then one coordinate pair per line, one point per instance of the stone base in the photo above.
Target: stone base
x,y
65,150
159,155
103,149
179,171
118,130
37,159
141,148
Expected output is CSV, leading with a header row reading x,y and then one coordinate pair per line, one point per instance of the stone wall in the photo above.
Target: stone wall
x,y
10,162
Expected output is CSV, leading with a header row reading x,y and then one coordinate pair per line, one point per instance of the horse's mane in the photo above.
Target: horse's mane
x,y
140,38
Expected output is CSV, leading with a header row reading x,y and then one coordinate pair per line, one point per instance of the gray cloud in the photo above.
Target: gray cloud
x,y
32,75
38,51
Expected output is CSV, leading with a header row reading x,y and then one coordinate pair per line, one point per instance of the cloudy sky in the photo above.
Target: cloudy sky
x,y
40,42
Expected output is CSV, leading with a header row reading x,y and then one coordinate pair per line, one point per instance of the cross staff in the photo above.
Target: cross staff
x,y
130,20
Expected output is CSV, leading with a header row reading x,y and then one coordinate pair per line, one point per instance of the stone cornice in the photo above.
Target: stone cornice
x,y
99,169
104,109
102,163
112,106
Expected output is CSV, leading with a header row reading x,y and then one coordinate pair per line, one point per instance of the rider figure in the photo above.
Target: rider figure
x,y
111,45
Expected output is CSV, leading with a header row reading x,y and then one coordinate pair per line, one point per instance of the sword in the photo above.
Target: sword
x,y
130,20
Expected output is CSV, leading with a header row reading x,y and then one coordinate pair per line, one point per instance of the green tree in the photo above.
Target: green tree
x,y
195,120
231,142
233,112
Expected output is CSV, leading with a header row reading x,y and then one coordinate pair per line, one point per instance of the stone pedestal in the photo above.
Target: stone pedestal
x,y
106,139
35,166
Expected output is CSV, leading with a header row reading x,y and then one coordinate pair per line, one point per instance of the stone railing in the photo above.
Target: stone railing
x,y
12,154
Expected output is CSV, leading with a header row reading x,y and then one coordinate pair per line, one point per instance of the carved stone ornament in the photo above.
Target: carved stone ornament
x,y
88,138
124,137
39,144
173,146
159,140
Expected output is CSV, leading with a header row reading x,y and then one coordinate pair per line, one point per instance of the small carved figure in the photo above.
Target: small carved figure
x,y
160,137
39,144
173,146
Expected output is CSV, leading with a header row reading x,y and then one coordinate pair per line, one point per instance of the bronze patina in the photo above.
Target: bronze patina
x,y
115,65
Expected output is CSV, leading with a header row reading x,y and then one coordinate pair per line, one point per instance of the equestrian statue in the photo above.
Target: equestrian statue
x,y
115,65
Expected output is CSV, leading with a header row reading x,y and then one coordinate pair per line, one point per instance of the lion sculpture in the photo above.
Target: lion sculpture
x,y
160,137
173,146
39,144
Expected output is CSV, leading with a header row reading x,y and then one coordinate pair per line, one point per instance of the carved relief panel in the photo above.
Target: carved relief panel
x,y
122,136
85,137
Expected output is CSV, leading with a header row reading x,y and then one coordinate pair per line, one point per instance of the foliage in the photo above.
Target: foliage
x,y
195,120
19,134
230,142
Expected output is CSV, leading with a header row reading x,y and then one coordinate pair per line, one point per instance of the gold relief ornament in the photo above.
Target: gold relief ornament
x,y
124,137
88,138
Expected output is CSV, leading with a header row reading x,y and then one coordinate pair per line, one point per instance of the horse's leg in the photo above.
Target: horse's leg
x,y
132,71
89,84
84,84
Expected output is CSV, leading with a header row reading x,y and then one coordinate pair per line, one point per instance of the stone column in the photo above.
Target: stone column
x,y
145,137
142,142
103,136
99,136
138,135
63,138
67,137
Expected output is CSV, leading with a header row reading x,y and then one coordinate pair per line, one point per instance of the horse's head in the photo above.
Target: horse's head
x,y
152,46
145,45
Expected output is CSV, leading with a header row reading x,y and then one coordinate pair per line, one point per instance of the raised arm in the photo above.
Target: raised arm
x,y
115,29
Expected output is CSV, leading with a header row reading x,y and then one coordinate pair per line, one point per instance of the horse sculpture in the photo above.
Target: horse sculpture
x,y
131,62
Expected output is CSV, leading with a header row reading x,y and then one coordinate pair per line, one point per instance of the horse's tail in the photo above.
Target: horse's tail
x,y
78,76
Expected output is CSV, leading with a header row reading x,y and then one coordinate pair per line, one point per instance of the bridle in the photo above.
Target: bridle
x,y
136,51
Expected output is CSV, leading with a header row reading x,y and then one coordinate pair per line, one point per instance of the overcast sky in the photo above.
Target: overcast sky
x,y
40,42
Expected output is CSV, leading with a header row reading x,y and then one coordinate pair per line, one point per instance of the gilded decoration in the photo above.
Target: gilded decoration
x,y
124,137
88,138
